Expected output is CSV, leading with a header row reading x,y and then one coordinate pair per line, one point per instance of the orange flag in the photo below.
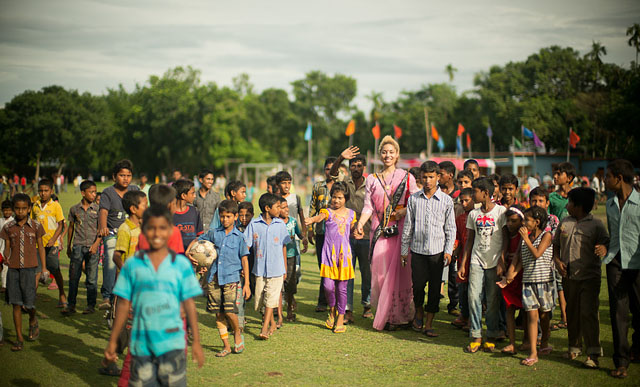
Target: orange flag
x,y
376,132
434,133
351,128
460,130
574,139
468,141
397,131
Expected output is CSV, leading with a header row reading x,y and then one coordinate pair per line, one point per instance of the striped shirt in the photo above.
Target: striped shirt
x,y
537,270
430,224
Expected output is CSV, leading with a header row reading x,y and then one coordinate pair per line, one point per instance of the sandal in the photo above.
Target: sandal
x,y
458,323
17,346
473,347
488,347
431,333
367,313
340,329
571,355
417,325
620,373
239,348
330,322
291,317
62,304
510,352
223,353
591,363
34,332
546,350
528,362
562,325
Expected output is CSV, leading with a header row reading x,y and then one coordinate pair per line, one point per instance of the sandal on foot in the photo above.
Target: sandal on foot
x,y
458,323
340,329
17,346
571,355
223,353
562,325
528,362
546,350
620,373
473,347
62,304
291,318
431,333
330,322
510,352
239,348
592,364
417,325
488,347
34,332
367,313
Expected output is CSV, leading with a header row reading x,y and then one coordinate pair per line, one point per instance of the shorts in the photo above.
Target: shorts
x,y
538,296
21,287
268,292
222,298
168,369
52,259
558,278
291,283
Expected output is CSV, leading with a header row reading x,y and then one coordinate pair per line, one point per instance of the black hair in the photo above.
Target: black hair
x,y
203,173
360,158
539,191
339,186
246,206
470,161
182,187
282,199
449,167
465,173
283,176
132,198
621,167
508,179
429,167
98,194
415,171
271,180
7,204
496,178
156,212
466,192
565,167
329,160
234,186
483,184
582,197
228,206
143,175
122,164
539,214
86,184
161,195
511,212
267,200
46,181
20,197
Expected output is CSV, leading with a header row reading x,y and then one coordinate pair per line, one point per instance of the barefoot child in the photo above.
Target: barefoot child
x,y
155,283
23,248
336,268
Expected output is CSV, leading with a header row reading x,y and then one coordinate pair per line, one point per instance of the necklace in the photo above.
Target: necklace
x,y
387,184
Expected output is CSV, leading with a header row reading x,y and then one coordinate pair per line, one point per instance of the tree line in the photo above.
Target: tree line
x,y
178,121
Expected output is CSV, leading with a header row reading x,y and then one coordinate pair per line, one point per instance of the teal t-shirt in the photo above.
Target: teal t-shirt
x,y
155,298
558,205
293,230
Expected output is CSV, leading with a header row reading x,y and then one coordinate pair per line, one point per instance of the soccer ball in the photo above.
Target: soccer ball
x,y
204,252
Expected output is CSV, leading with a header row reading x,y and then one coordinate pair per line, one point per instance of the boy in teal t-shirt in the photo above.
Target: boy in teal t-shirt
x,y
563,175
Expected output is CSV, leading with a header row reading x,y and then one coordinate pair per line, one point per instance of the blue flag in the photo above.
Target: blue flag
x,y
489,131
527,133
459,145
440,144
307,133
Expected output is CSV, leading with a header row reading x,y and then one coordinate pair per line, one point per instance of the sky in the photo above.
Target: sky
x,y
387,46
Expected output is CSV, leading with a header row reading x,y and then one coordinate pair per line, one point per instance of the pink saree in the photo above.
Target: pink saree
x,y
391,287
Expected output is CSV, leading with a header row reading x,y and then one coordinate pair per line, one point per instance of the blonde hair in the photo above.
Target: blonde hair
x,y
388,140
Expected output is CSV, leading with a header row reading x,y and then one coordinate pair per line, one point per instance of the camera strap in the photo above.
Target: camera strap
x,y
393,202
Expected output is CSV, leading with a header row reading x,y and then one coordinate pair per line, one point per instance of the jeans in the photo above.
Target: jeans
x,y
483,282
322,299
169,369
108,268
360,251
81,254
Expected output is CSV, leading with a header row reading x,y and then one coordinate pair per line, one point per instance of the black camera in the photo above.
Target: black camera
x,y
390,231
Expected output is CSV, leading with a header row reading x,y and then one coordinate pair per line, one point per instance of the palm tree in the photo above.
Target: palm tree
x,y
597,50
376,99
634,40
450,70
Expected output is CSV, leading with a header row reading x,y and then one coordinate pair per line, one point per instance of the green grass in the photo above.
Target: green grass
x,y
302,353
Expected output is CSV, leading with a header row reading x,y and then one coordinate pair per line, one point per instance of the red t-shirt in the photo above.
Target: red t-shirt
x,y
175,242
461,239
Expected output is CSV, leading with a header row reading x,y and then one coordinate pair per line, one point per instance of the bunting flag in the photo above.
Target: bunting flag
x,y
376,131
440,144
517,143
459,145
489,131
526,132
307,133
460,130
536,141
468,141
351,128
397,131
434,133
574,139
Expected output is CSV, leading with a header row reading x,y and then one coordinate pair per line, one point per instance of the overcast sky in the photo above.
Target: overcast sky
x,y
388,46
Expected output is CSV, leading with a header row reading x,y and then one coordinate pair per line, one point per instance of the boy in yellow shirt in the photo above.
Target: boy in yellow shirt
x,y
134,203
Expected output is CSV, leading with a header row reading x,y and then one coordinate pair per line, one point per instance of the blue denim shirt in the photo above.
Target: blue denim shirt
x,y
624,230
267,241
231,248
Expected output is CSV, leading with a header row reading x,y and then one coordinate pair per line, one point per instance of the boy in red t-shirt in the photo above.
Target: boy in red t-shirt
x,y
466,200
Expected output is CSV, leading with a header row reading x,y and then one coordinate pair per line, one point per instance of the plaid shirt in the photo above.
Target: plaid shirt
x,y
320,199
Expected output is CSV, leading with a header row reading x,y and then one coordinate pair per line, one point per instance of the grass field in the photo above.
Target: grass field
x,y
69,350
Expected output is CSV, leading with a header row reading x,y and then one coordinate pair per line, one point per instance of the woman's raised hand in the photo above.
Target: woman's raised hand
x,y
350,152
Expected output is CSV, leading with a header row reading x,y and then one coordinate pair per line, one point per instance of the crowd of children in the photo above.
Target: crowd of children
x,y
503,256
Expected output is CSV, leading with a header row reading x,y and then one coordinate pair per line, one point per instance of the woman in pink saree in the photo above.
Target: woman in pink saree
x,y
385,200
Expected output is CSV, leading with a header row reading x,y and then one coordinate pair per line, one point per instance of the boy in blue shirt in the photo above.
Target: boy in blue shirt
x,y
155,283
224,275
268,236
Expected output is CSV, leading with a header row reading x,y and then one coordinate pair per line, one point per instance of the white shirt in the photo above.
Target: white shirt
x,y
487,245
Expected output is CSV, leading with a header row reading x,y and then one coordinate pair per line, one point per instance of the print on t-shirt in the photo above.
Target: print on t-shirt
x,y
485,224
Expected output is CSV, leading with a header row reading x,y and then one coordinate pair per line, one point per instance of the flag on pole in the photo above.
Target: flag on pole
x,y
376,131
536,141
397,131
440,144
351,128
434,134
489,131
460,129
468,141
526,132
517,143
574,139
459,145
307,133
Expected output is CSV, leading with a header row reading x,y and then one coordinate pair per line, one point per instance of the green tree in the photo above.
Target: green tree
x,y
450,70
634,39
